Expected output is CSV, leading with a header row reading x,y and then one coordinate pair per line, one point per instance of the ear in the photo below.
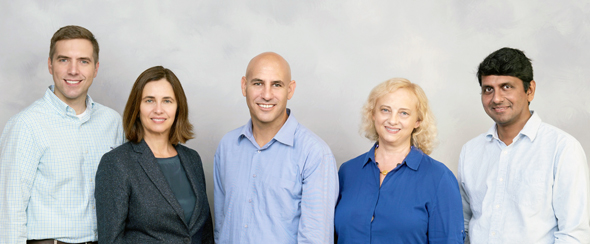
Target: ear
x,y
291,90
244,85
417,124
49,66
530,94
96,69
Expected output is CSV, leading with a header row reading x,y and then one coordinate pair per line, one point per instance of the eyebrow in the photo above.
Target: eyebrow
x,y
66,57
272,82
152,97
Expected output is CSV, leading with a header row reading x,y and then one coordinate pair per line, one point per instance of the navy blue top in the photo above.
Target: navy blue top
x,y
418,202
179,184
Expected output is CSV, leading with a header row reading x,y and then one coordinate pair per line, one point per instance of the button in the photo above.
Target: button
x,y
372,218
245,226
504,152
497,206
258,151
249,200
501,179
493,233
254,175
90,179
86,151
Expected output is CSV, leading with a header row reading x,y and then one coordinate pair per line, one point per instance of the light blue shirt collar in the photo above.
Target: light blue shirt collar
x,y
61,106
529,130
285,135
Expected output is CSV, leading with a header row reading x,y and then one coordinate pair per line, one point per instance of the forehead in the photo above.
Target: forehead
x,y
268,69
498,80
159,87
400,98
71,47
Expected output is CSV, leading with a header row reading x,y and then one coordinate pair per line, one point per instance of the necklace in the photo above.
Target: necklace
x,y
384,172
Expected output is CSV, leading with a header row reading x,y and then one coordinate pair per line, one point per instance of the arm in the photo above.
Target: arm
x,y
218,196
112,200
570,195
464,197
318,198
19,158
445,221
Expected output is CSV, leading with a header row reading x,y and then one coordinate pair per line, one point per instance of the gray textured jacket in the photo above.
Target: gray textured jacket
x,y
134,203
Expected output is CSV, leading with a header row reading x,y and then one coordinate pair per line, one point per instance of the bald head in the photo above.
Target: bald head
x,y
269,61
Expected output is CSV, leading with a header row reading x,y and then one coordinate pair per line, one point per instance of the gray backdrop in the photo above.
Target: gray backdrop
x,y
338,51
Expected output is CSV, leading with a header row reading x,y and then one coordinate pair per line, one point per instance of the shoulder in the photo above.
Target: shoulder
x,y
232,136
436,169
105,112
118,156
308,140
31,115
354,164
549,134
180,148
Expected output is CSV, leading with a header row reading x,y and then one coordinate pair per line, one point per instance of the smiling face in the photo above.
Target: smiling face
x,y
267,87
73,68
505,100
157,110
395,117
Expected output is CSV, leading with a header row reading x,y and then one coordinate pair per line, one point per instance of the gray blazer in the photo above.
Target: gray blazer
x,y
134,203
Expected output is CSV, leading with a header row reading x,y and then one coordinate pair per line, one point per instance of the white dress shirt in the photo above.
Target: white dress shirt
x,y
534,190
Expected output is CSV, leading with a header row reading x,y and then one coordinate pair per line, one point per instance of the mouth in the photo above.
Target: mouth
x,y
158,120
392,130
265,106
500,109
72,82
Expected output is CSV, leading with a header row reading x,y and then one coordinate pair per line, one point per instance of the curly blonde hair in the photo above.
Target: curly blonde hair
x,y
423,137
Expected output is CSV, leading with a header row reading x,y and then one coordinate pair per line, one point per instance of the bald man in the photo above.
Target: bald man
x,y
275,180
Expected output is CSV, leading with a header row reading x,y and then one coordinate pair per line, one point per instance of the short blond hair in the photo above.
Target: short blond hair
x,y
423,137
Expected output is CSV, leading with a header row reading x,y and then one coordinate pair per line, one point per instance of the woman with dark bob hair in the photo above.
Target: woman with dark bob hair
x,y
152,188
395,192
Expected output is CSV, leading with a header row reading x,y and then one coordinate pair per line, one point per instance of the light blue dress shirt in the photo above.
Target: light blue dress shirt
x,y
48,163
283,192
534,190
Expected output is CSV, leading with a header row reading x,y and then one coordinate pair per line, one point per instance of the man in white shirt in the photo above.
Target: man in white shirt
x,y
523,181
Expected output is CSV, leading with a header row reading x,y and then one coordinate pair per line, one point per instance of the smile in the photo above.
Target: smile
x,y
266,105
158,120
73,81
500,109
392,130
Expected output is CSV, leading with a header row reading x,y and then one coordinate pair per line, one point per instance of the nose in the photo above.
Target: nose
x,y
158,109
73,68
498,96
266,93
393,119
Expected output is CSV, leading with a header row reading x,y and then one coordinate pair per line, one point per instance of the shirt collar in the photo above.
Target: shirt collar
x,y
529,130
61,106
412,160
285,135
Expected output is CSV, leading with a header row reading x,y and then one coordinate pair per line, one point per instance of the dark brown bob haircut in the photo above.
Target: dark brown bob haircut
x,y
181,130
74,32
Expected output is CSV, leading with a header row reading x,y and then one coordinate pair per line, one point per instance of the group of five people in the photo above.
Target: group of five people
x,y
71,171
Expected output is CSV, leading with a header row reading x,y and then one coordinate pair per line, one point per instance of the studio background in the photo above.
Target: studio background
x,y
338,51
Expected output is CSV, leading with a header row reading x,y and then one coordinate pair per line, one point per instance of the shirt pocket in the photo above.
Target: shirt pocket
x,y
282,197
529,189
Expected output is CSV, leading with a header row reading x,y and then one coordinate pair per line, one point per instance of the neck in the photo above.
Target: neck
x,y
79,105
160,146
507,133
392,154
264,132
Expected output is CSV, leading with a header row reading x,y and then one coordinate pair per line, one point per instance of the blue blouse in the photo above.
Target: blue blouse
x,y
418,202
179,184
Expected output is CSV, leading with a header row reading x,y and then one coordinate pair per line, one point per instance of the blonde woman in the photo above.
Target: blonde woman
x,y
396,193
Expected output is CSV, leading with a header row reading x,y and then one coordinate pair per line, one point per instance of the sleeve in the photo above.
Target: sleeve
x,y
318,198
445,221
19,158
464,197
571,196
112,200
218,195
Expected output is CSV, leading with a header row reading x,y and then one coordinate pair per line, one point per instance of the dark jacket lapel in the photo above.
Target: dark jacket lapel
x,y
147,160
187,163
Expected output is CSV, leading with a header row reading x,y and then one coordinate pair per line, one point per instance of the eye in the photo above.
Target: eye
x,y
487,89
277,85
167,101
84,62
149,101
256,83
507,86
405,113
62,60
385,110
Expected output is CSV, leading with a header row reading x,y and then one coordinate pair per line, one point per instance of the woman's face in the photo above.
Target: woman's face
x,y
396,116
158,108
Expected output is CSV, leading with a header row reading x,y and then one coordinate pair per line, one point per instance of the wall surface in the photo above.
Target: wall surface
x,y
338,51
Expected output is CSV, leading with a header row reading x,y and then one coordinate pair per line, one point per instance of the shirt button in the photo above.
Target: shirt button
x,y
245,226
497,206
249,200
493,233
258,151
501,179
504,152
254,175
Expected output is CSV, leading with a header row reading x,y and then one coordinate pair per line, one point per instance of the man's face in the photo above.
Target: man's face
x,y
267,89
73,68
505,100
